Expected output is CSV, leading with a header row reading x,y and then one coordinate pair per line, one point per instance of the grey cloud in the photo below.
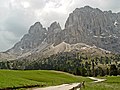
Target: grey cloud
x,y
17,23
47,19
37,4
114,5
7,39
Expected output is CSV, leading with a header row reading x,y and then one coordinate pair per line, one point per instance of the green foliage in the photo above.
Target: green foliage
x,y
72,62
113,70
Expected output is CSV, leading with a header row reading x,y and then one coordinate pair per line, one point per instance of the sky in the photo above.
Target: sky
x,y
16,16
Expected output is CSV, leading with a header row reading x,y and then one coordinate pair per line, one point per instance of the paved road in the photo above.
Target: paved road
x,y
59,87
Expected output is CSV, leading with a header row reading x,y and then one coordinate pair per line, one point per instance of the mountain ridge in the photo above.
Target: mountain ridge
x,y
87,25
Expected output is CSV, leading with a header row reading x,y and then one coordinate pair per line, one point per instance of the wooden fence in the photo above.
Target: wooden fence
x,y
79,86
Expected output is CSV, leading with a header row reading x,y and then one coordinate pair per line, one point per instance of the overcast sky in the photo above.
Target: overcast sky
x,y
16,16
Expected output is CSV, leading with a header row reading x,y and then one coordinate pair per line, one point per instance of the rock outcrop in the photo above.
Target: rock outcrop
x,y
94,27
30,41
53,35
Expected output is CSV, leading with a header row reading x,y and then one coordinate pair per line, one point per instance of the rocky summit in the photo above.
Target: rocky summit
x,y
94,27
87,25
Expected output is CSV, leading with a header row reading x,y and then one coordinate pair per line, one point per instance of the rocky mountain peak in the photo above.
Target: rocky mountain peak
x,y
54,27
31,40
53,35
94,27
36,28
86,8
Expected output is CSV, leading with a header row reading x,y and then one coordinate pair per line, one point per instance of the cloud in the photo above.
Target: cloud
x,y
18,15
18,22
7,39
110,5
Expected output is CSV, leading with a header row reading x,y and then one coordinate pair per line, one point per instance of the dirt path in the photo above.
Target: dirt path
x,y
67,86
59,87
97,79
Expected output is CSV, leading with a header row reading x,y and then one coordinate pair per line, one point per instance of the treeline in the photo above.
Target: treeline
x,y
71,62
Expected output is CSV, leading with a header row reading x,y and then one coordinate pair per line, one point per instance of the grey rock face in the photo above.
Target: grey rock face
x,y
54,36
94,27
31,40
37,37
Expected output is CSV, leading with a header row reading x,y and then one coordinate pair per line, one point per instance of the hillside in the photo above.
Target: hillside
x,y
66,47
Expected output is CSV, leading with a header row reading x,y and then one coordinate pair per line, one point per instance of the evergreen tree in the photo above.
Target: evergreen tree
x,y
113,70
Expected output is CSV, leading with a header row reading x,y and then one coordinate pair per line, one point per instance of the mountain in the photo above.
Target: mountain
x,y
85,27
94,27
37,39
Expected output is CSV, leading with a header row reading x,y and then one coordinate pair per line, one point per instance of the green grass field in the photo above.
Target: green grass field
x,y
17,78
112,83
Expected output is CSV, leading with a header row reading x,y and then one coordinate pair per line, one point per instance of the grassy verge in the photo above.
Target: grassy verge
x,y
17,78
112,83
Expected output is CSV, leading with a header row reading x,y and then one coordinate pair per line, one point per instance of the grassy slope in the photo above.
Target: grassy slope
x,y
112,83
15,78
